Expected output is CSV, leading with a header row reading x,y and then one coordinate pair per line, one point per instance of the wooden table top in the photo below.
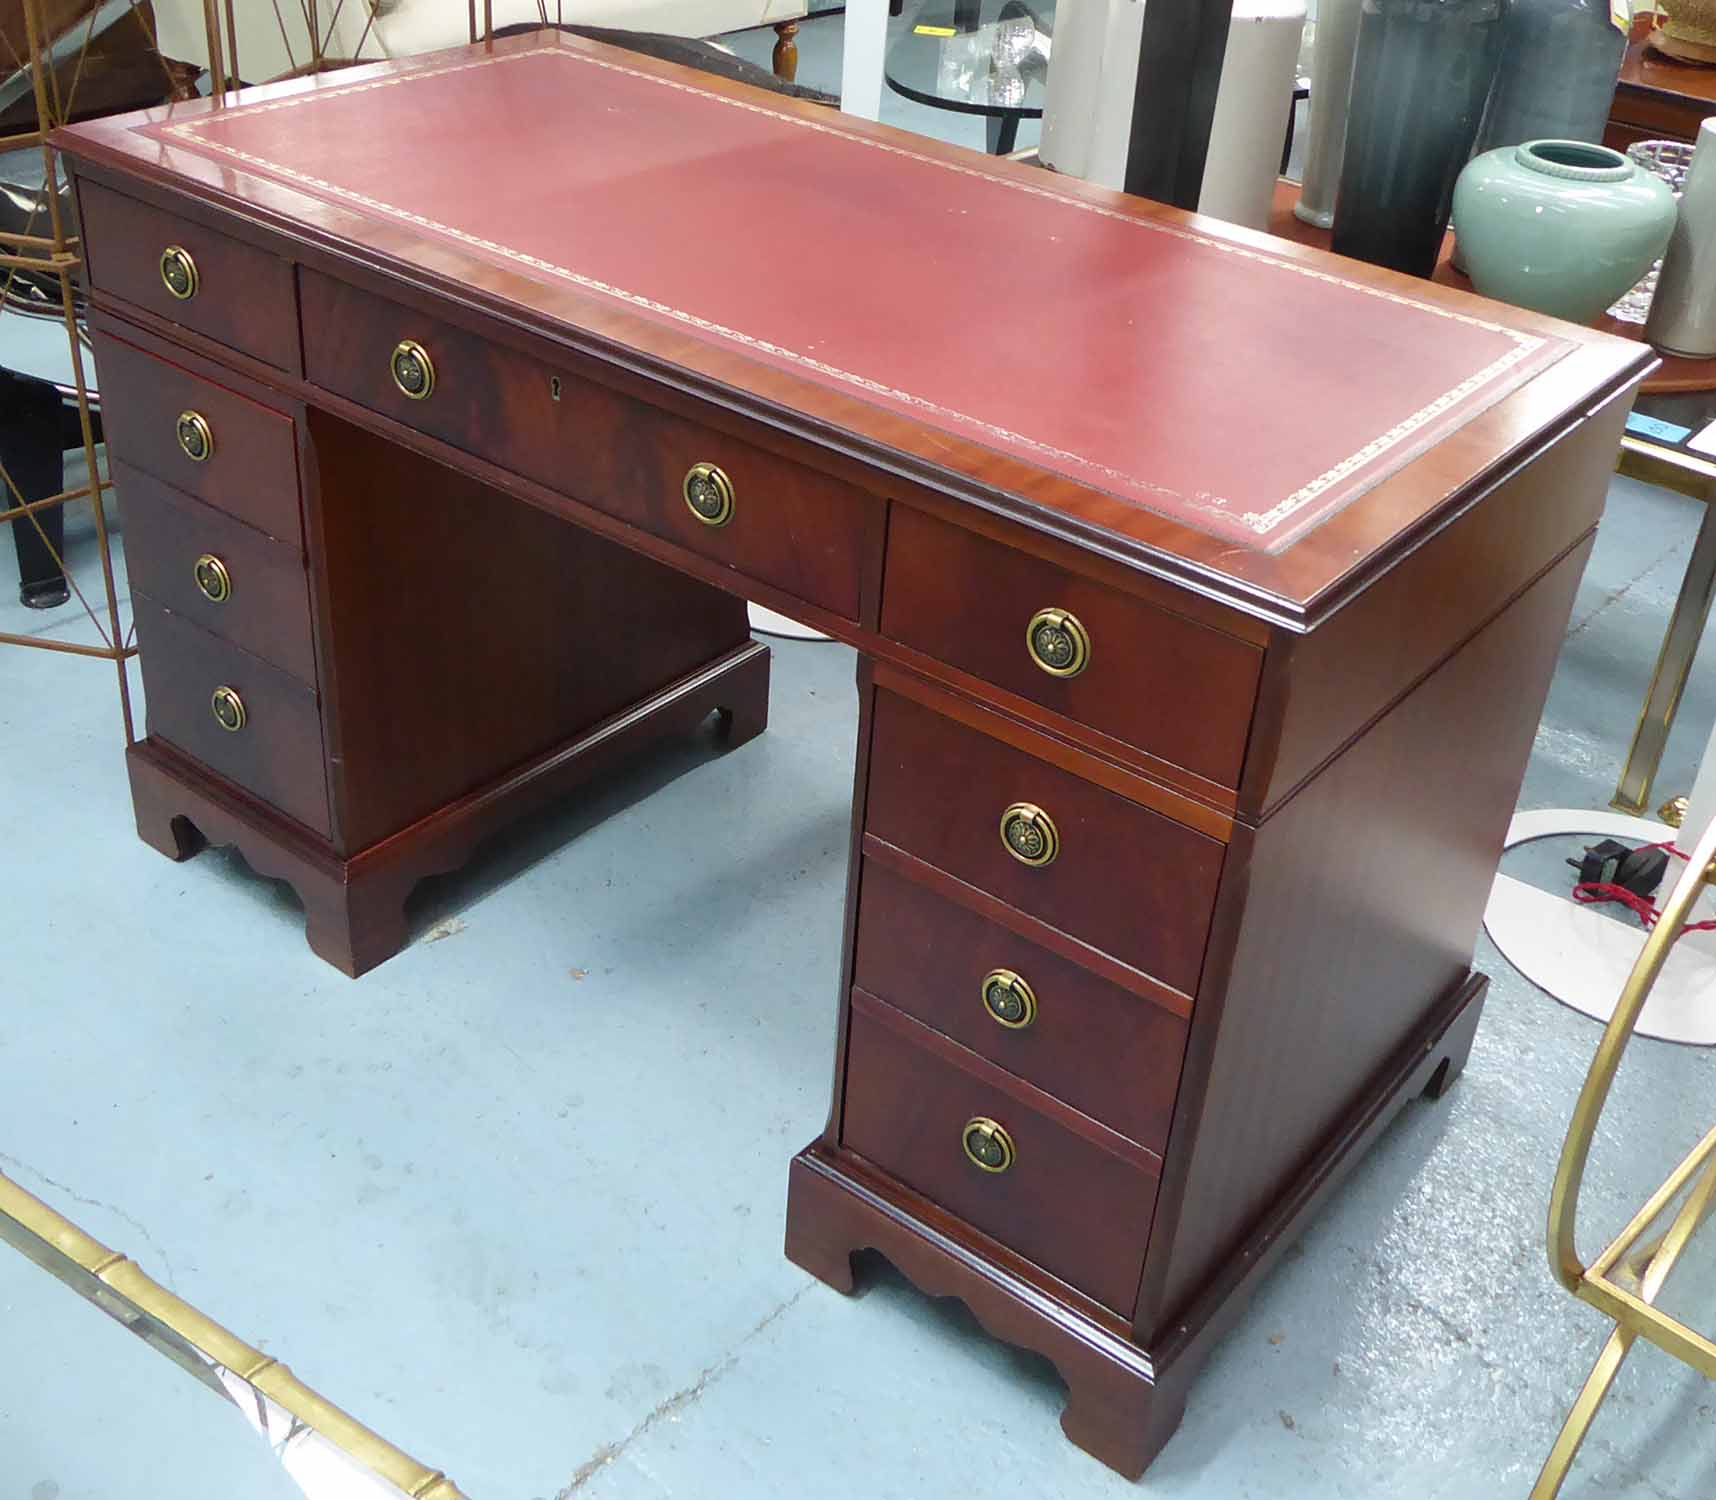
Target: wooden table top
x,y
1169,388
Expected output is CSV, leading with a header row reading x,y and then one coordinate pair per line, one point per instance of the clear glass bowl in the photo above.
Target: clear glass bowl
x,y
1669,160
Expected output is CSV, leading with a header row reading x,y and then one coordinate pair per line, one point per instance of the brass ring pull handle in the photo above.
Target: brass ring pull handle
x,y
709,494
987,1144
196,437
1029,835
179,273
1058,642
213,580
1009,999
413,370
228,709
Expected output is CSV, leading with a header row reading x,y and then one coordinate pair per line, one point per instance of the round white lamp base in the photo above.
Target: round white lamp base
x,y
1582,957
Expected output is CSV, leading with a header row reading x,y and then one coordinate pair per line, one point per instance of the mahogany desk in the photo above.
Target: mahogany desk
x,y
1200,662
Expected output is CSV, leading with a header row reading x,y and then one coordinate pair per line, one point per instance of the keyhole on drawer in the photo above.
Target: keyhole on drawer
x,y
554,386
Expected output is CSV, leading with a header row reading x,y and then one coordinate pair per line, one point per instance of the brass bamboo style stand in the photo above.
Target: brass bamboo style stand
x,y
198,1344
51,250
1624,1281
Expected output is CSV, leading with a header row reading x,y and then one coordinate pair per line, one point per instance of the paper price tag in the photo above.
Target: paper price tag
x,y
949,31
1654,427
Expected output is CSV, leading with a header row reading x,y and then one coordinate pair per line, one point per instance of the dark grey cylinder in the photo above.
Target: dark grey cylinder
x,y
1422,76
1560,61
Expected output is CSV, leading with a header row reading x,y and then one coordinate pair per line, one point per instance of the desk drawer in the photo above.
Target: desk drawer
x,y
276,754
1074,1199
212,570
251,466
240,296
1112,1055
1176,689
1131,882
789,526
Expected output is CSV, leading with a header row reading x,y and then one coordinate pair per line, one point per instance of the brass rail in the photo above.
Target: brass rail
x,y
1629,1256
194,1341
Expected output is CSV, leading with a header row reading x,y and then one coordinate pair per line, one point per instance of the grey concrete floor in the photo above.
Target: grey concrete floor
x,y
516,1198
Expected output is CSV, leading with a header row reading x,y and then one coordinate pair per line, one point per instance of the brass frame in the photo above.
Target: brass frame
x,y
1695,477
58,254
1020,986
195,1342
220,23
722,483
1623,1282
209,569
240,715
178,255
993,1130
1072,627
199,424
1042,822
411,349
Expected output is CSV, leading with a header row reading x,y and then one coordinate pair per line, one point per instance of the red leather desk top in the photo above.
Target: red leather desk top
x,y
1242,389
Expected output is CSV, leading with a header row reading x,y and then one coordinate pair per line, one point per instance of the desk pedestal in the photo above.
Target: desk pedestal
x,y
355,908
1125,1398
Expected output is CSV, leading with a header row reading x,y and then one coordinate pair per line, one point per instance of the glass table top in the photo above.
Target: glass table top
x,y
985,57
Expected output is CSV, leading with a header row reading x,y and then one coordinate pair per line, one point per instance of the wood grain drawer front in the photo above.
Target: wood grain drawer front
x,y
241,296
1128,881
789,526
277,753
1073,1200
217,572
1175,689
250,470
1112,1055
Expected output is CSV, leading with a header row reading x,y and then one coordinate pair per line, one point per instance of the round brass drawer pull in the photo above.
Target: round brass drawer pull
x,y
196,437
987,1144
709,494
228,709
179,272
1030,834
1009,1000
1058,643
413,370
213,580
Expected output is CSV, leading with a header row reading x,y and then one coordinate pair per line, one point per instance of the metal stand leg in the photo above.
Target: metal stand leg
x,y
1003,132
1679,645
1572,1435
1651,1267
1624,1281
32,468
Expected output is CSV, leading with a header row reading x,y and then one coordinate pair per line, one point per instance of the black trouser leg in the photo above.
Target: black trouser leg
x,y
31,453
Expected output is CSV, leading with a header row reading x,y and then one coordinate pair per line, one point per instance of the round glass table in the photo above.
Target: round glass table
x,y
976,57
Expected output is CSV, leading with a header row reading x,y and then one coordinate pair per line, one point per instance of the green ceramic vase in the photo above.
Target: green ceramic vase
x,y
1560,227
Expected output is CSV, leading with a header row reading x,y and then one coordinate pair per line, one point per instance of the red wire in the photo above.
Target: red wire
x,y
1598,892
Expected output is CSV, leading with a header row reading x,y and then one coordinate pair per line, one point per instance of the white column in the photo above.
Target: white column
x,y
1250,124
866,37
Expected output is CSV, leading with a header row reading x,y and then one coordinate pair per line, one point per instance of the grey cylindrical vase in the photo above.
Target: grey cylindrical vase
x,y
1331,85
1683,313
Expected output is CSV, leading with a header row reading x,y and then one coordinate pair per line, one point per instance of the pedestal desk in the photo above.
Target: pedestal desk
x,y
1206,590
